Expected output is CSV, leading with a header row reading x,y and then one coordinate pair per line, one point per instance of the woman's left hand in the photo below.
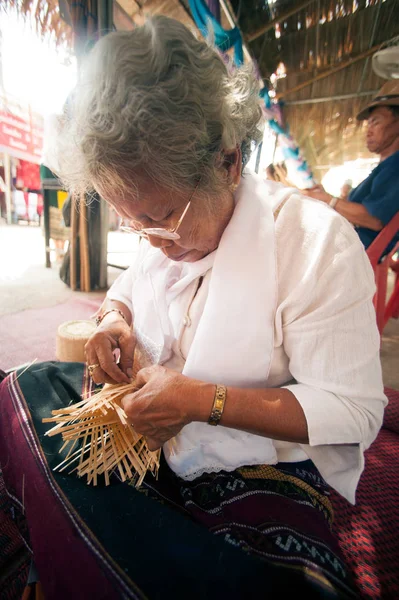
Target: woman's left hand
x,y
160,408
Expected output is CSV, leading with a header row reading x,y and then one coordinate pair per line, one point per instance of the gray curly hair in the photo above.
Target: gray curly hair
x,y
158,101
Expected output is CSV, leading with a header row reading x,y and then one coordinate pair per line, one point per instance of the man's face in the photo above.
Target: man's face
x,y
382,129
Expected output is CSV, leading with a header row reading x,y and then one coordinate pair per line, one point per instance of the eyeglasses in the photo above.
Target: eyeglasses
x,y
161,232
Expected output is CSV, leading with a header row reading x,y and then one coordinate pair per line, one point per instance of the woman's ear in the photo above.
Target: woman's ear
x,y
232,163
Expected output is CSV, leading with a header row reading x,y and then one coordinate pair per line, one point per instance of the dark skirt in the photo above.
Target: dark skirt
x,y
270,526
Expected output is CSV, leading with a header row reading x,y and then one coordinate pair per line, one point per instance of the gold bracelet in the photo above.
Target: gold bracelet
x,y
100,318
218,405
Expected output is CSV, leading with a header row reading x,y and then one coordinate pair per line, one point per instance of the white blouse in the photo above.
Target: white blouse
x,y
326,343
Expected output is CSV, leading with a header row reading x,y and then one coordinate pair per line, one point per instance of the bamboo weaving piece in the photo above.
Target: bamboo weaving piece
x,y
107,441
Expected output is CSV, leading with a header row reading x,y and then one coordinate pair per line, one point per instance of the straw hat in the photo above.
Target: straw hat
x,y
387,96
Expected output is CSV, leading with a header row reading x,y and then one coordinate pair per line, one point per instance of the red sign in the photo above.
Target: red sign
x,y
22,137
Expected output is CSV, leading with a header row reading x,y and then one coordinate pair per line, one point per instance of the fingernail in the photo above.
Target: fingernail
x,y
129,373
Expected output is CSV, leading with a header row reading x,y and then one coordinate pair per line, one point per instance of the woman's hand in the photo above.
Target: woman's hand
x,y
318,193
163,404
112,334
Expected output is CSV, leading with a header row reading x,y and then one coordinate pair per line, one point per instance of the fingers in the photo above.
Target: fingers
x,y
127,344
108,365
101,353
144,375
153,444
141,378
100,376
126,404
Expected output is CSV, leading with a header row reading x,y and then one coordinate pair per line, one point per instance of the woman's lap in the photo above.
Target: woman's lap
x,y
271,512
116,542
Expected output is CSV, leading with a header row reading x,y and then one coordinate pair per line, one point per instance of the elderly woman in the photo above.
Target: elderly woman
x,y
258,354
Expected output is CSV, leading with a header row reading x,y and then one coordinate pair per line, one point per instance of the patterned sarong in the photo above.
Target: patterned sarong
x,y
270,525
281,514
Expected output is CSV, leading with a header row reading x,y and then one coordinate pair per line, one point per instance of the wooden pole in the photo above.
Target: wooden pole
x,y
46,223
285,15
7,182
105,16
104,228
332,71
73,243
82,261
105,24
318,34
84,247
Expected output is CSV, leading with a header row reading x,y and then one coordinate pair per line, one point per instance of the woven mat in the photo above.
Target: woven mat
x,y
369,532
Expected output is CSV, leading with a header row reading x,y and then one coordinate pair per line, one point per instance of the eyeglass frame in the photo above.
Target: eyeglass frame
x,y
167,234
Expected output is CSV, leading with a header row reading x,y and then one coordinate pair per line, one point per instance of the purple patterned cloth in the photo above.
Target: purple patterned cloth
x,y
255,531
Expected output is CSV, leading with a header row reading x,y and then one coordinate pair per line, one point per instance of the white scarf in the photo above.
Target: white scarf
x,y
233,343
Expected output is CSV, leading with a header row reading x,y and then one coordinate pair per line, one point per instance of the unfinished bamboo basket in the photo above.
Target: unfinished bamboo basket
x,y
107,441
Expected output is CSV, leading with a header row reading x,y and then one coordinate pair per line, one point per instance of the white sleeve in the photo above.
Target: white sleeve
x,y
333,349
121,289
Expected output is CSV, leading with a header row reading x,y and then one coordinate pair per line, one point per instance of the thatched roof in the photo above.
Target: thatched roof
x,y
47,18
321,36
311,38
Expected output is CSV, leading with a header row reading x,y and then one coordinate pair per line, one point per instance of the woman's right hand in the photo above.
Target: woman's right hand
x,y
112,334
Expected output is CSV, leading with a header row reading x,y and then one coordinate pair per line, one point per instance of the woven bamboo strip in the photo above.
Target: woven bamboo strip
x,y
108,442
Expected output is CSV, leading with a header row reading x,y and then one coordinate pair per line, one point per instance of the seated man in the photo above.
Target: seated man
x,y
375,201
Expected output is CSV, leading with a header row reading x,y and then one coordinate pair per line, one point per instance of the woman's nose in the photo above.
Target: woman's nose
x,y
159,242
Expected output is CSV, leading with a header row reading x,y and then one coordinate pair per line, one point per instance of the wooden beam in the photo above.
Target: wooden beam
x,y
366,161
285,15
292,35
73,248
332,71
331,98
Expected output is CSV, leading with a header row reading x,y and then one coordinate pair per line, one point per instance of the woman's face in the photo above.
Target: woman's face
x,y
151,206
